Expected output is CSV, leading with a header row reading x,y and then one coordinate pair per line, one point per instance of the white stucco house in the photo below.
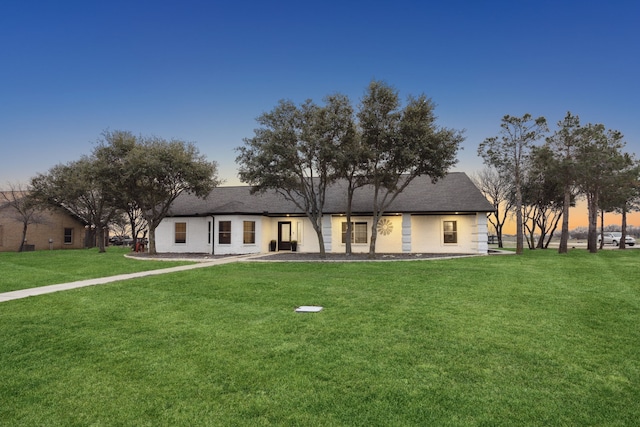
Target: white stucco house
x,y
449,216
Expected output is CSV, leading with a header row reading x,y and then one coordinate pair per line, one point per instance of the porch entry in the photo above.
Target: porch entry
x,y
284,235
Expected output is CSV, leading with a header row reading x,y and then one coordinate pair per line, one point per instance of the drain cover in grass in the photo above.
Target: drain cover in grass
x,y
308,309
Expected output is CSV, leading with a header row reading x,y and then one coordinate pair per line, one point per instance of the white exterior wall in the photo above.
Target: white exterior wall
x,y
197,235
301,231
390,243
237,246
482,235
408,233
428,234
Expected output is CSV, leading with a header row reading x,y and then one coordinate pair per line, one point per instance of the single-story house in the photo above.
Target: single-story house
x,y
449,216
52,229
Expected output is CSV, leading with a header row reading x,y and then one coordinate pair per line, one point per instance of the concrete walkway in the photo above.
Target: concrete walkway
x,y
24,293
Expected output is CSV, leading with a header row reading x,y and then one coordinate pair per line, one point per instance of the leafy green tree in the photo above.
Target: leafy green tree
x,y
160,170
564,144
114,148
509,151
401,144
294,151
84,188
598,159
621,196
348,156
127,173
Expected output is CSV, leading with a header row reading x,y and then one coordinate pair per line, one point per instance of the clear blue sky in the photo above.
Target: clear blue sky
x,y
202,71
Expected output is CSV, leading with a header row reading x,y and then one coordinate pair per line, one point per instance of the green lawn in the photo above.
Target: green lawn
x,y
32,269
539,339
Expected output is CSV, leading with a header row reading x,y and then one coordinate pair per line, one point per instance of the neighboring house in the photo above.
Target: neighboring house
x,y
447,217
55,229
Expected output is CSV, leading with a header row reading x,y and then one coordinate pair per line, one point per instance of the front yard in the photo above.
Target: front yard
x,y
539,339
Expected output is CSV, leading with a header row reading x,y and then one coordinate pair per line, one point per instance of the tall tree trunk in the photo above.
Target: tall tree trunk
x,y
592,238
564,236
24,236
553,230
101,238
152,238
601,245
318,228
623,235
134,232
374,235
519,222
348,248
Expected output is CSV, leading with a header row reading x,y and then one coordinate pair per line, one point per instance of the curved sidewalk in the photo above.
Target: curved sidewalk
x,y
24,293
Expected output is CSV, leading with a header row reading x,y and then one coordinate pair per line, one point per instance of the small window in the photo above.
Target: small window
x,y
68,236
181,232
209,232
224,232
358,233
249,232
450,231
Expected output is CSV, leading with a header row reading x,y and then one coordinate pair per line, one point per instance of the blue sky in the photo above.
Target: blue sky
x,y
202,71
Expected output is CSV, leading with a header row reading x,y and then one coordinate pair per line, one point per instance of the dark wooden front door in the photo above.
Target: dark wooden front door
x,y
284,235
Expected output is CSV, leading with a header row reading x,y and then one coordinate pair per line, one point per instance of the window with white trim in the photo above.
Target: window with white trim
x,y
180,232
224,232
450,231
249,232
358,232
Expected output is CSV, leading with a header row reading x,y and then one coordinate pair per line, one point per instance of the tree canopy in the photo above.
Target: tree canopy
x,y
509,153
125,173
293,153
299,150
400,144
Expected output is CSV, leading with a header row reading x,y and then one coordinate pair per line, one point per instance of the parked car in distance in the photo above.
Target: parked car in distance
x,y
121,240
613,238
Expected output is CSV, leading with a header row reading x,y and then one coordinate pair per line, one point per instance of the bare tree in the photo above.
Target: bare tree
x,y
25,209
498,189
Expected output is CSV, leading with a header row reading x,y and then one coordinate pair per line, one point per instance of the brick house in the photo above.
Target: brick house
x,y
55,229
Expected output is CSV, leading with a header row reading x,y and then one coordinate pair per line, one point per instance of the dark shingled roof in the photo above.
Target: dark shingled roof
x,y
453,193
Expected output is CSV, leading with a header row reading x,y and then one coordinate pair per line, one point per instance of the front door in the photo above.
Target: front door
x,y
284,236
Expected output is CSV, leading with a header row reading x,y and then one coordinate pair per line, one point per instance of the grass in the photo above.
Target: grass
x,y
539,339
32,269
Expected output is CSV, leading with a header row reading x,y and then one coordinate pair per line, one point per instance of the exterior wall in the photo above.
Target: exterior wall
x,y
385,243
237,246
402,233
301,231
52,228
428,234
482,235
197,240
